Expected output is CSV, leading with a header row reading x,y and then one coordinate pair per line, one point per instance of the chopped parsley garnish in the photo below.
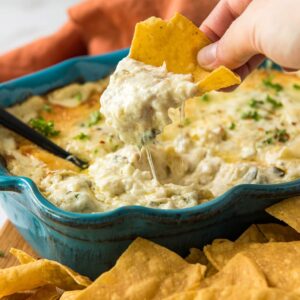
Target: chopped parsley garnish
x,y
251,114
255,103
272,85
277,135
186,122
94,119
47,108
296,86
205,98
275,103
268,141
78,96
44,127
81,136
281,135
232,126
2,254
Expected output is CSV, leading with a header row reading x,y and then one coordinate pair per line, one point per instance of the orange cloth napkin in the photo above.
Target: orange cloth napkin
x,y
95,27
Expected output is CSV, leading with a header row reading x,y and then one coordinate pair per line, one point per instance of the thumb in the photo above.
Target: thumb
x,y
235,48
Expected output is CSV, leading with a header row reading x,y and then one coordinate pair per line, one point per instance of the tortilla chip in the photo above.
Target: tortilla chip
x,y
280,262
176,43
198,256
252,235
287,211
71,295
279,233
241,278
32,275
241,270
210,270
144,271
47,292
21,256
218,79
236,292
217,247
19,296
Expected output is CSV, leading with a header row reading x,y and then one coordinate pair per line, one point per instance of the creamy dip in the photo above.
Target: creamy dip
x,y
251,135
138,97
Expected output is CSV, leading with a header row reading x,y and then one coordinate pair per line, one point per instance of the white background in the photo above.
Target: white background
x,y
22,21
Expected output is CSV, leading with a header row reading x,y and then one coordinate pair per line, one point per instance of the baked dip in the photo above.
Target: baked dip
x,y
248,136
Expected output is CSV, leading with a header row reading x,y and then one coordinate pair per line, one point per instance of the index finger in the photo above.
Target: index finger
x,y
218,21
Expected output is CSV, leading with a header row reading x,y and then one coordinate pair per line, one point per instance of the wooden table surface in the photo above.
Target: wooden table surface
x,y
10,238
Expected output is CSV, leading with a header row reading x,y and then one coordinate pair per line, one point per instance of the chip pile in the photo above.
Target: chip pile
x,y
263,263
38,279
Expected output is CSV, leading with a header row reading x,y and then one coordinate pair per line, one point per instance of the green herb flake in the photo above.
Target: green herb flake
x,y
275,103
281,135
272,85
251,114
44,127
81,136
296,86
47,108
2,254
186,122
232,126
277,135
255,103
205,98
114,147
78,96
95,118
268,141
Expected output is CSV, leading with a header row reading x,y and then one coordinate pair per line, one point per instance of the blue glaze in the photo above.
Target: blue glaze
x,y
91,243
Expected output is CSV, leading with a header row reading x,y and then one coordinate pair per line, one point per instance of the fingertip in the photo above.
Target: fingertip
x,y
207,56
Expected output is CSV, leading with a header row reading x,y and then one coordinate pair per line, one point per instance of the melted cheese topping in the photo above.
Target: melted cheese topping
x,y
249,136
138,97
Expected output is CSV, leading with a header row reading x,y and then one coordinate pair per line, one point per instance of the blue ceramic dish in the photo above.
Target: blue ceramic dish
x,y
91,243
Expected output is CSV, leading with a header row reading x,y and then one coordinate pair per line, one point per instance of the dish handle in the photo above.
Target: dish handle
x,y
5,178
10,188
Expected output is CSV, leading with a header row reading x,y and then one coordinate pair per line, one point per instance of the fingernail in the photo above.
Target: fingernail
x,y
207,56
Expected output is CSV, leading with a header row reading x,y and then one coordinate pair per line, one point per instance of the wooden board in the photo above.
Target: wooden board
x,y
10,238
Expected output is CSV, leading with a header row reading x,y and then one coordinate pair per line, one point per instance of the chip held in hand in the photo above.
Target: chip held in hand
x,y
176,43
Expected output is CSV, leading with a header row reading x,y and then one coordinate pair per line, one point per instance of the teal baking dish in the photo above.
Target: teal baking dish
x,y
91,243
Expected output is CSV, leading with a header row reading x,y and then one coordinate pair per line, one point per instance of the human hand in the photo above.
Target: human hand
x,y
244,31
